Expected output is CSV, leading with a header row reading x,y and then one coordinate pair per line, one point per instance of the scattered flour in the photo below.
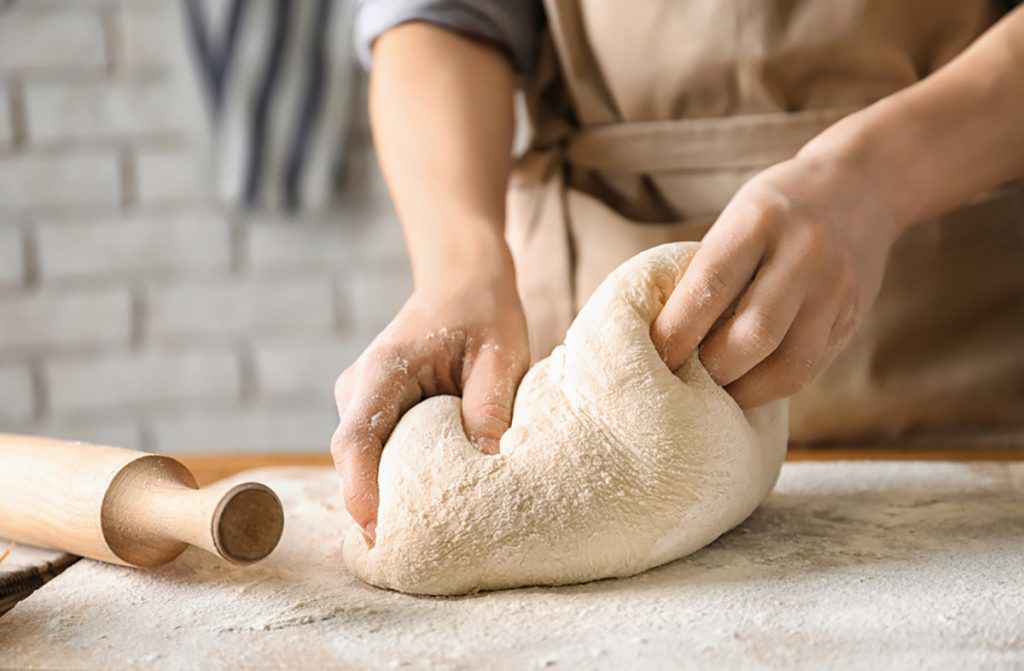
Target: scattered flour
x,y
852,565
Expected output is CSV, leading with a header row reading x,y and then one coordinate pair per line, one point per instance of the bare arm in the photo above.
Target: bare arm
x,y
950,137
802,247
441,108
442,112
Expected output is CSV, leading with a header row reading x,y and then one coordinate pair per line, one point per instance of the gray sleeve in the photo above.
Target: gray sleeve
x,y
515,26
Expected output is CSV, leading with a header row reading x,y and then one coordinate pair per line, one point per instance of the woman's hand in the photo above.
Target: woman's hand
x,y
467,338
800,251
781,280
463,331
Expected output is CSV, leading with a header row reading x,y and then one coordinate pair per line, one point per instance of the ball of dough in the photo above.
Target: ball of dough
x,y
612,465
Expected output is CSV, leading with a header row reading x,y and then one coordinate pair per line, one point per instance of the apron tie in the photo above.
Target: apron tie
x,y
746,141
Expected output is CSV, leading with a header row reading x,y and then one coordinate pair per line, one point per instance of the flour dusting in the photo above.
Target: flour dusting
x,y
853,565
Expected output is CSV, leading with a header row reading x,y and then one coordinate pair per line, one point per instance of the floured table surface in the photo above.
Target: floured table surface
x,y
858,565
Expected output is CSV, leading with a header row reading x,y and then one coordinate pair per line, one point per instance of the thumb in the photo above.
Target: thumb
x,y
488,395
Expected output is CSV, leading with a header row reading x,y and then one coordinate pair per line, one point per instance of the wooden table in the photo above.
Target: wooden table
x,y
213,467
866,564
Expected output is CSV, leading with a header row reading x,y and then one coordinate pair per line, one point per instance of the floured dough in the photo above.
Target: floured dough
x,y
613,465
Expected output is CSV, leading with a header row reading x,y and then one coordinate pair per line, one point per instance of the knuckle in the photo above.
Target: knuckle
x,y
492,416
845,277
766,204
353,442
844,328
705,284
798,372
713,280
520,362
341,442
499,410
758,333
814,244
358,506
752,391
801,375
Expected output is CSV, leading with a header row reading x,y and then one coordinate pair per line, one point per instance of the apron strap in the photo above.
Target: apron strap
x,y
698,144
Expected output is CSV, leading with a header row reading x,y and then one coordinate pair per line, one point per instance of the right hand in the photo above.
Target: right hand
x,y
465,338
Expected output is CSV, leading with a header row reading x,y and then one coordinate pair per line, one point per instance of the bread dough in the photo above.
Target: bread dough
x,y
612,465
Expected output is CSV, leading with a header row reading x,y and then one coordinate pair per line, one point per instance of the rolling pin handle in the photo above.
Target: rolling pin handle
x,y
247,523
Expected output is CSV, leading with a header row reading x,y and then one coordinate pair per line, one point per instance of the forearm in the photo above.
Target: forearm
x,y
952,136
441,107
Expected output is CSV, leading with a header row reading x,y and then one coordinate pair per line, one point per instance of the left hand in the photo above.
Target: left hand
x,y
799,252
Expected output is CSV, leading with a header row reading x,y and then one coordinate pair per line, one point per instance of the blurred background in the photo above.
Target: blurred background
x,y
194,237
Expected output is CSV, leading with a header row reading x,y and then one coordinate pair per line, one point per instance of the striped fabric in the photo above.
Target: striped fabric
x,y
279,77
26,569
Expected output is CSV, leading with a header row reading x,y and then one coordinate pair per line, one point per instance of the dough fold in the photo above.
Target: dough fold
x,y
612,465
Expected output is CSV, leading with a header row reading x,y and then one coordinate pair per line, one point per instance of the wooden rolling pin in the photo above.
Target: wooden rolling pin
x,y
127,507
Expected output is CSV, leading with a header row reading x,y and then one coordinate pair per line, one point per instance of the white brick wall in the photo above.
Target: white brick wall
x,y
157,244
47,180
17,399
135,311
167,177
373,294
258,430
12,259
36,39
6,125
49,321
105,110
204,312
133,381
304,368
144,28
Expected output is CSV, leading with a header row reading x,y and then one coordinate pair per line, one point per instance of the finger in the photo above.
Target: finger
x,y
716,276
803,353
381,393
763,317
357,460
488,396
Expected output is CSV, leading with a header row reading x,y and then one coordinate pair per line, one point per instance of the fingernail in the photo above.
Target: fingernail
x,y
370,534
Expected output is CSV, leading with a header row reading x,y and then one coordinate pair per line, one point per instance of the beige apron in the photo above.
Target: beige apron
x,y
648,116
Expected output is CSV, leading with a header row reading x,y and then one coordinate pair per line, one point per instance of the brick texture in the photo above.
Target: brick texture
x,y
60,321
12,260
45,181
202,312
105,109
6,123
257,430
137,381
136,246
373,295
135,310
305,368
148,32
37,40
167,177
272,246
17,399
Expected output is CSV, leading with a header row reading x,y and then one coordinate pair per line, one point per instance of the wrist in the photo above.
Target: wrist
x,y
852,154
465,254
